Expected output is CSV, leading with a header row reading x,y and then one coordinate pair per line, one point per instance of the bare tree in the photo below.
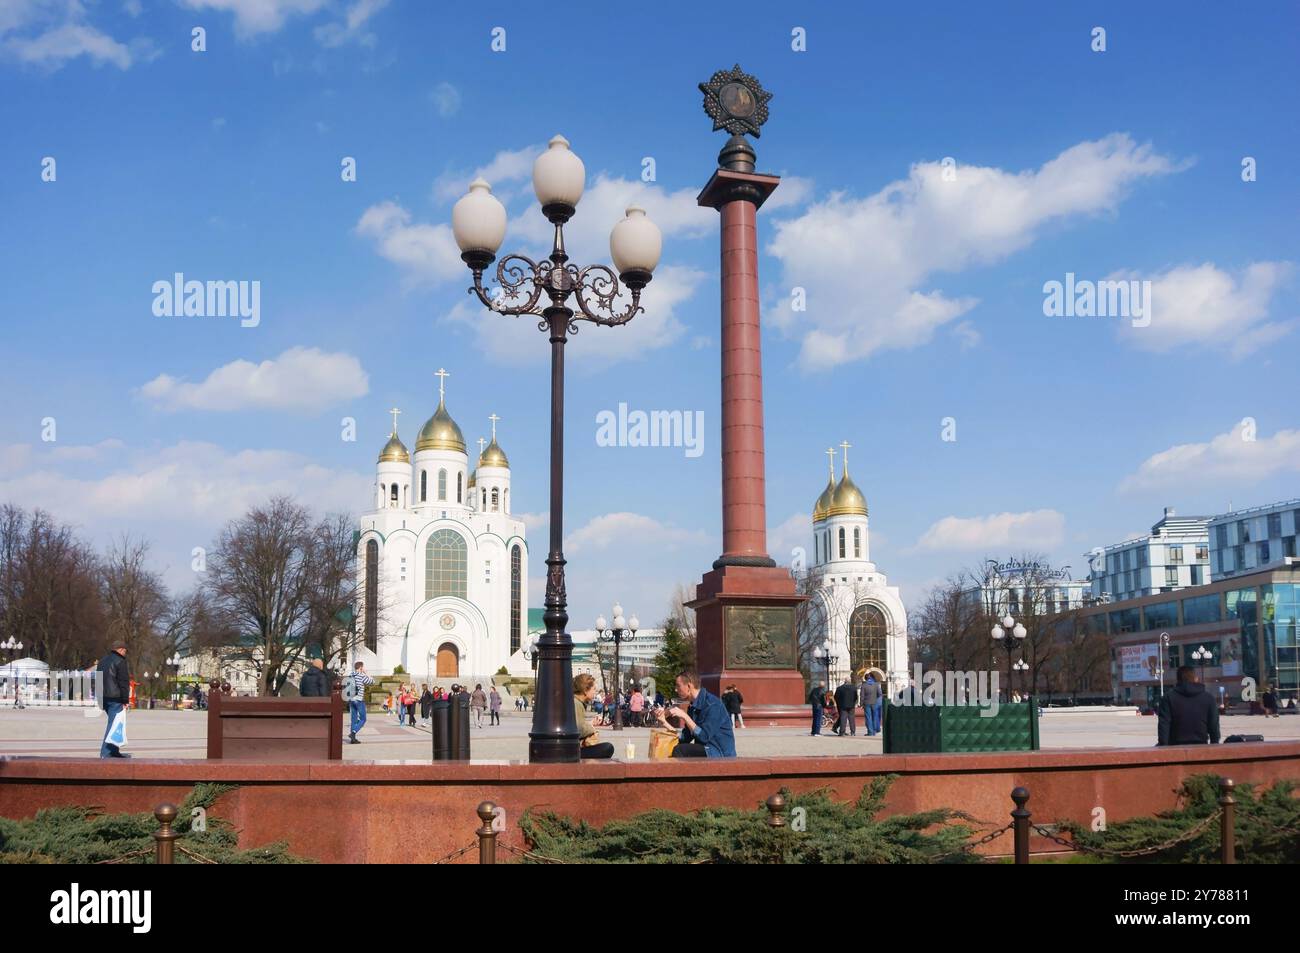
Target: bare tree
x,y
136,605
277,584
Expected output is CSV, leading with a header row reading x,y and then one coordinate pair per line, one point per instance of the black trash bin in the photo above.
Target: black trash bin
x,y
458,724
440,728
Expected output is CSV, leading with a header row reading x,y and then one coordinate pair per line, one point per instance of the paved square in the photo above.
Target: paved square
x,y
76,733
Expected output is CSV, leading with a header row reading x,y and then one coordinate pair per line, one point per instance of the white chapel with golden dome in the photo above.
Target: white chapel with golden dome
x,y
853,613
442,562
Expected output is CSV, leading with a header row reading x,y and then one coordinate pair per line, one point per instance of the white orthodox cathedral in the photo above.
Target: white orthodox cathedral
x,y
853,613
442,563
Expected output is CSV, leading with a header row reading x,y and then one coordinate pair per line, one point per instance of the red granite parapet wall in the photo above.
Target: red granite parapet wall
x,y
414,812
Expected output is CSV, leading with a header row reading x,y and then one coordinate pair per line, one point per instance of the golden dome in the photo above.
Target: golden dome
x,y
823,501
473,481
493,456
440,432
847,500
394,451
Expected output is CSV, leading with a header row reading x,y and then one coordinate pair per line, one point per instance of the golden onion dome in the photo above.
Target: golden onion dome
x,y
847,500
473,479
440,433
394,451
493,456
824,501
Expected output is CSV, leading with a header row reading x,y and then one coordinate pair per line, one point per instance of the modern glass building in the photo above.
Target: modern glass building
x,y
1248,540
1175,555
1243,627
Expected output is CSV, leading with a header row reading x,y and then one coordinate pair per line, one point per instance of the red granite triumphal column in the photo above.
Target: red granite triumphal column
x,y
745,607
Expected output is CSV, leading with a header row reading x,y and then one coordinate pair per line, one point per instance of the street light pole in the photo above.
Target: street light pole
x,y
478,223
1164,660
622,631
1013,633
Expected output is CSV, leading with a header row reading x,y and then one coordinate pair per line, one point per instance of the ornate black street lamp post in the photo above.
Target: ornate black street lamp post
x,y
1013,633
479,223
623,630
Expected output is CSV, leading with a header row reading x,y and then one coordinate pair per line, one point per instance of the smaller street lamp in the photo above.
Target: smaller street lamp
x,y
1011,633
623,630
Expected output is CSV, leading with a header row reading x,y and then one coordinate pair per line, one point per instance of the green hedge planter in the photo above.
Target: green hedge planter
x,y
916,729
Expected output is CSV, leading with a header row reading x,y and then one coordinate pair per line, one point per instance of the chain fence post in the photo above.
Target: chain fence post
x,y
1020,819
1228,811
165,837
487,835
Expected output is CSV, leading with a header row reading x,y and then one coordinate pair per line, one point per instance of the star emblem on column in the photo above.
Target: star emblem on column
x,y
736,102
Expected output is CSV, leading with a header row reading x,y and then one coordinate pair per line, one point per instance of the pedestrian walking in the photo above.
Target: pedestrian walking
x,y
357,699
478,701
117,694
494,706
426,703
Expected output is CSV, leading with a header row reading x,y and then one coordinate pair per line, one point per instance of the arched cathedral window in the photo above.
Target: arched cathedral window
x,y
371,623
392,495
841,542
867,633
496,499
445,565
424,485
516,599
857,542
442,484
460,487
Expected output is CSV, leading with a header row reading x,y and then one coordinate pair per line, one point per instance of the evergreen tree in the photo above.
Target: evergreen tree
x,y
677,653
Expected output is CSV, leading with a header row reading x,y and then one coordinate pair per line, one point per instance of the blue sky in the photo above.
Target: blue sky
x,y
924,294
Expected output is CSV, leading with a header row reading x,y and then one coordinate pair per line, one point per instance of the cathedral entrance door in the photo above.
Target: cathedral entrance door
x,y
448,661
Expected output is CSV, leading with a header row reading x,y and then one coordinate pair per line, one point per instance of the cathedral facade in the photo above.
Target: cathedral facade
x,y
853,614
442,563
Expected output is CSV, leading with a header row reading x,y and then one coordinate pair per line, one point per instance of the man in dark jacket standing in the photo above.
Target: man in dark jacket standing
x,y
1187,715
817,698
871,704
846,700
314,683
116,693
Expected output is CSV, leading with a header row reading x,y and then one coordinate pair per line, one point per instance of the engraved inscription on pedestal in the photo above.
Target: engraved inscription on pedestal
x,y
760,637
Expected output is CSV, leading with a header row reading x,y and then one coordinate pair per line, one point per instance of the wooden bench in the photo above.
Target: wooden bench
x,y
274,729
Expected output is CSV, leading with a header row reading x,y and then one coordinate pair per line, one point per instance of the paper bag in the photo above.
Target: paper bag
x,y
662,743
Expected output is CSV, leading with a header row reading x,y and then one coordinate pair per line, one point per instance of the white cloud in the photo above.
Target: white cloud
x,y
1205,305
300,379
795,532
352,28
1036,529
793,190
618,530
865,263
187,489
51,34
425,253
446,99
1227,459
253,17
506,168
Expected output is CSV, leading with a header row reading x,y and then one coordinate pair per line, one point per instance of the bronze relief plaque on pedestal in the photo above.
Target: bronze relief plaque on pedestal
x,y
760,637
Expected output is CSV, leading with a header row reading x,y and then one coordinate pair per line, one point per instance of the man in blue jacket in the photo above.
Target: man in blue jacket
x,y
706,726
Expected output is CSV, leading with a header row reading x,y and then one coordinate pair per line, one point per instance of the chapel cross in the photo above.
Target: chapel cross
x,y
481,442
830,459
494,418
845,444
442,382
394,411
